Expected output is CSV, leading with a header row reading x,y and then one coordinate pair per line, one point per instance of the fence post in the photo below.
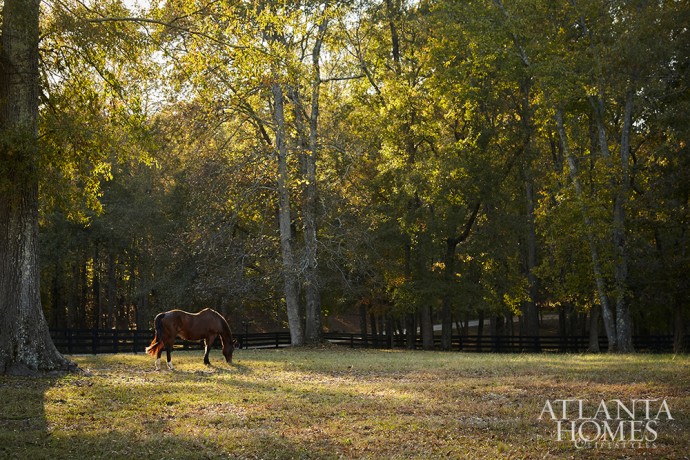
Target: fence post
x,y
94,341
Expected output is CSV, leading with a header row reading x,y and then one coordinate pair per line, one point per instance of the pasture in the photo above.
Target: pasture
x,y
335,403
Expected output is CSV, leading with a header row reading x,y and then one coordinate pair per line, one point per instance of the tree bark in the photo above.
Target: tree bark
x,y
374,328
679,345
600,283
285,221
363,323
623,318
111,291
530,309
447,307
314,331
427,327
594,329
25,343
620,197
480,329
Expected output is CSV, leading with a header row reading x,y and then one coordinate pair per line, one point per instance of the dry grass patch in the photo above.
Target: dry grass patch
x,y
333,403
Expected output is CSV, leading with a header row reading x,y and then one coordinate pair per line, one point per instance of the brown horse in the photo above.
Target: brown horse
x,y
207,325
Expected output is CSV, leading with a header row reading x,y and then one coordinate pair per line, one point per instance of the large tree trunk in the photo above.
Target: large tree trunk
x,y
600,283
620,197
309,212
594,330
427,327
285,222
530,309
25,343
447,307
623,319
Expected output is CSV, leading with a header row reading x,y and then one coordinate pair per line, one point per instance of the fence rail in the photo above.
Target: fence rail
x,y
508,344
95,341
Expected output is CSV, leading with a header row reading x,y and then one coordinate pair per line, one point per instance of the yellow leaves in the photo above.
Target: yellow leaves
x,y
438,267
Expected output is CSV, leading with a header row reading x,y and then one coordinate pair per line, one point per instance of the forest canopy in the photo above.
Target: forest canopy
x,y
408,162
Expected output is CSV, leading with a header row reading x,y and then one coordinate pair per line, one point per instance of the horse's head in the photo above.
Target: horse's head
x,y
227,351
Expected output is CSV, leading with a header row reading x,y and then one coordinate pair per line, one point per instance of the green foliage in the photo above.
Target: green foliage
x,y
158,165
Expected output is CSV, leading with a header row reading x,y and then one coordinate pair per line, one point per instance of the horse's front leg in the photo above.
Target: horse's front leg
x,y
209,343
168,350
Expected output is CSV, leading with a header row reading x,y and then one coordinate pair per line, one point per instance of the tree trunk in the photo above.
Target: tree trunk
x,y
530,309
388,324
285,221
623,319
679,345
480,329
446,311
312,286
600,283
111,291
427,327
410,316
594,330
410,331
374,329
363,323
57,311
25,343
96,289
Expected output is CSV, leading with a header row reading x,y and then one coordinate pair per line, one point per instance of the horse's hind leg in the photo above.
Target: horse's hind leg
x,y
158,359
168,350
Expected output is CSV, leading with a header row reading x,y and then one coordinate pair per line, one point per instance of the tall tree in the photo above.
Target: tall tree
x,y
25,344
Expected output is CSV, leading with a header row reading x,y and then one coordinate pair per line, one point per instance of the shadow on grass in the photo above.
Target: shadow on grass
x,y
23,426
118,445
26,431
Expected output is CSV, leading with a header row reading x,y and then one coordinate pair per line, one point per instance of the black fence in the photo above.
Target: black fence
x,y
95,341
507,344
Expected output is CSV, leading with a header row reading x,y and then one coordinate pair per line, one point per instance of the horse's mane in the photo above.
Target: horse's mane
x,y
225,325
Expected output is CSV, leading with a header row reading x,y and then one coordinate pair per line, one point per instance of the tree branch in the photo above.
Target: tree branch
x,y
172,26
468,227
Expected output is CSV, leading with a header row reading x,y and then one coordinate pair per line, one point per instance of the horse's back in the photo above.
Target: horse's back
x,y
192,326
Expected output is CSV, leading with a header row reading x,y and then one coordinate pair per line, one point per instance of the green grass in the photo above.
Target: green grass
x,y
331,403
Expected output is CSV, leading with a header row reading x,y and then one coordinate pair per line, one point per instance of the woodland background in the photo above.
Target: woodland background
x,y
409,162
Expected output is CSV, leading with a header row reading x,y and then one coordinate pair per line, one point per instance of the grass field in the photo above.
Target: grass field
x,y
334,403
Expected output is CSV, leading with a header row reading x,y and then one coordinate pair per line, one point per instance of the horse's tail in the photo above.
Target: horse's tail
x,y
157,342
